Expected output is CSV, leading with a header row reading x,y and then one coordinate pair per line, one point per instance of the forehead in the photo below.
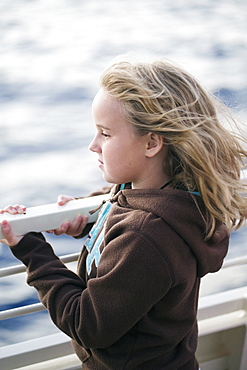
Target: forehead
x,y
103,102
108,113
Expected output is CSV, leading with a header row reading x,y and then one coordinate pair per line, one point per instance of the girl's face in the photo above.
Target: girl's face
x,y
121,150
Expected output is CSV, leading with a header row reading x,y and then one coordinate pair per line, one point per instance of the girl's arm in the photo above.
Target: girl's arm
x,y
99,313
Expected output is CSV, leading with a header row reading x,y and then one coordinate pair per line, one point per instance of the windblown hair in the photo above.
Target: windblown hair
x,y
203,155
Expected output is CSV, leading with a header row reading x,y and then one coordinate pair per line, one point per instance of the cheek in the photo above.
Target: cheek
x,y
116,157
114,148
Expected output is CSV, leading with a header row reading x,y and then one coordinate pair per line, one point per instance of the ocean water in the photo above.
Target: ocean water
x,y
51,57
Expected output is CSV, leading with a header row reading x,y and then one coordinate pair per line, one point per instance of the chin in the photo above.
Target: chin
x,y
112,180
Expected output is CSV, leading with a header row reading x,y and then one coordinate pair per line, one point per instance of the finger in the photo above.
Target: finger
x,y
81,226
3,241
20,208
10,238
10,209
73,228
13,210
62,229
63,199
77,225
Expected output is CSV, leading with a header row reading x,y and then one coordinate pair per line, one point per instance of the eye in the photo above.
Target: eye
x,y
104,134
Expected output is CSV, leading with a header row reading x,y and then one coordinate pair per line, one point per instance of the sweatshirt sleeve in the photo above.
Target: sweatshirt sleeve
x,y
132,276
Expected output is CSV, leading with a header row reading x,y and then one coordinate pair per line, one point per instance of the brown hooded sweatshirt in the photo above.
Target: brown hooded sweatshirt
x,y
133,304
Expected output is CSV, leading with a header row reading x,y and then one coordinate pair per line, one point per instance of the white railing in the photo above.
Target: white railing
x,y
36,307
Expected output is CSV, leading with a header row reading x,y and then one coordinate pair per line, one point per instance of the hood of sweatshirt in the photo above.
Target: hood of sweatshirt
x,y
185,214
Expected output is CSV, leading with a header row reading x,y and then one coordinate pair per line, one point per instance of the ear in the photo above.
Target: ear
x,y
154,144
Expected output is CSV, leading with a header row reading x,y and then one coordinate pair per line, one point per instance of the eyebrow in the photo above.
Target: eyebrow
x,y
103,127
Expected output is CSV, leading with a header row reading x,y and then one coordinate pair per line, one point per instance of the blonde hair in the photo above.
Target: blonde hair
x,y
204,156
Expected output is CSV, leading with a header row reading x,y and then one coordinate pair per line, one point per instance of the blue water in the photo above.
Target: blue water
x,y
51,56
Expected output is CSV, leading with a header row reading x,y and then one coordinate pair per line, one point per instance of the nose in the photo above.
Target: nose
x,y
94,145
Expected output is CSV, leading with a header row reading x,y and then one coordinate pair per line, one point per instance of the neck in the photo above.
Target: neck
x,y
151,183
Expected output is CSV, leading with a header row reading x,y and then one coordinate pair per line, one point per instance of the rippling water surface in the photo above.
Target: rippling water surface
x,y
51,56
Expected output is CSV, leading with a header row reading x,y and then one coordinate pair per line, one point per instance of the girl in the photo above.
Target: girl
x,y
133,304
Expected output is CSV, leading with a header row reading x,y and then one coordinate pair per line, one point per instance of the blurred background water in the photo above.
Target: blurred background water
x,y
51,56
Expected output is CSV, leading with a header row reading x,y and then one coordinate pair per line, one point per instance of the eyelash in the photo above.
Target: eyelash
x,y
105,135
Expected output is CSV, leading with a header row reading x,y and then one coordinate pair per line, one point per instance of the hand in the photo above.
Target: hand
x,y
10,239
13,210
63,199
73,228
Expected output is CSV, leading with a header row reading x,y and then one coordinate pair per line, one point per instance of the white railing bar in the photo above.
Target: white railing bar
x,y
24,310
235,262
70,257
12,270
20,311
